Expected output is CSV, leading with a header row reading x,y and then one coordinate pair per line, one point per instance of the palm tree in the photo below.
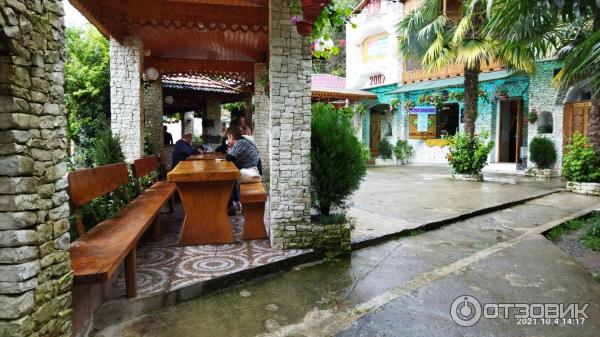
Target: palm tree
x,y
569,29
436,38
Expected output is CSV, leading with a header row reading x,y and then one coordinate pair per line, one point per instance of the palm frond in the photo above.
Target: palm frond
x,y
582,65
470,51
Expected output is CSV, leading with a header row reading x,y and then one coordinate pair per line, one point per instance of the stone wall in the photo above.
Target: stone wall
x,y
126,95
35,269
544,96
290,70
187,122
153,114
213,113
261,131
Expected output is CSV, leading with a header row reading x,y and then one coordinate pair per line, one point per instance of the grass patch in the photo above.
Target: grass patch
x,y
562,229
591,238
416,232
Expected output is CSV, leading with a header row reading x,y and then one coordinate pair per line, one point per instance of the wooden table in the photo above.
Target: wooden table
x,y
205,187
207,156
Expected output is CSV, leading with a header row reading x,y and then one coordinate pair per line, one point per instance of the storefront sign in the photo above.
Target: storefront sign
x,y
422,122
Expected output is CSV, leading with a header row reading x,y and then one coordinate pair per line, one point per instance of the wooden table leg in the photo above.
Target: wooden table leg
x,y
206,220
254,224
130,274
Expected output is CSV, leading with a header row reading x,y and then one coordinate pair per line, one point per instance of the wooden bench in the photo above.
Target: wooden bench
x,y
97,254
253,197
143,167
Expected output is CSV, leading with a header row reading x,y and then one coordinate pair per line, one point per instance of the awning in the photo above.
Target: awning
x,y
450,82
350,94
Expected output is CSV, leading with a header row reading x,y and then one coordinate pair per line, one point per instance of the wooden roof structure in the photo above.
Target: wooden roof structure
x,y
217,38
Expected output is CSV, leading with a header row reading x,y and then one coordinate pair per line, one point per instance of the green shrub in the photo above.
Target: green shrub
x,y
542,152
591,238
581,164
468,155
385,149
107,149
338,162
545,128
403,151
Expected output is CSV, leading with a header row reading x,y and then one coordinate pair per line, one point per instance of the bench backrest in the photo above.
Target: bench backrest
x,y
87,184
144,166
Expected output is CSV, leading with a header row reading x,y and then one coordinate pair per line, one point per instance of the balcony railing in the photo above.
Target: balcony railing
x,y
453,70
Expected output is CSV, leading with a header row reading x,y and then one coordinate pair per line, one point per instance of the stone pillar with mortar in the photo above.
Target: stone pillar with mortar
x,y
35,266
290,71
261,118
127,95
187,122
153,114
213,125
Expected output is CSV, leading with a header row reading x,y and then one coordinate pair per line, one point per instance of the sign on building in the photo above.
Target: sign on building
x,y
422,122
375,47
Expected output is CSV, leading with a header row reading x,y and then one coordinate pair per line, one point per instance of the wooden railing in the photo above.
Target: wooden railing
x,y
453,70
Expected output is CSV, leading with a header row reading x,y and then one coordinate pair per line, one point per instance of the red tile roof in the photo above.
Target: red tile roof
x,y
328,81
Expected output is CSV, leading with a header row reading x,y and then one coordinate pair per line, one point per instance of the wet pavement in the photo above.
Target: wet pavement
x,y
396,198
404,287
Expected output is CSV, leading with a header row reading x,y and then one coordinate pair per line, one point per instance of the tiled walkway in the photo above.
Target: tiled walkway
x,y
163,266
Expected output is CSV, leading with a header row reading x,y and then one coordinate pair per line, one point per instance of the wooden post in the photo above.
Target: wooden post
x,y
131,274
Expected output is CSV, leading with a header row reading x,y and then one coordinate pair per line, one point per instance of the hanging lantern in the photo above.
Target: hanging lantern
x,y
151,73
169,100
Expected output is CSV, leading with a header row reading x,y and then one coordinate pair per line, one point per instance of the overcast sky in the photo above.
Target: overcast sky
x,y
72,16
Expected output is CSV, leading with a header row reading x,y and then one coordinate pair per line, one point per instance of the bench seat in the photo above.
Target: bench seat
x,y
253,197
96,256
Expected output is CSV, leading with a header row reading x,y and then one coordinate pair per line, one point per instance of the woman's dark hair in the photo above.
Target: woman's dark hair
x,y
235,132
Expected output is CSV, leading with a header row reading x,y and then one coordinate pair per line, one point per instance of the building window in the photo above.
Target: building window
x,y
447,120
545,122
375,47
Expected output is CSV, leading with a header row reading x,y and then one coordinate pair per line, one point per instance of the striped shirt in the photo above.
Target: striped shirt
x,y
245,154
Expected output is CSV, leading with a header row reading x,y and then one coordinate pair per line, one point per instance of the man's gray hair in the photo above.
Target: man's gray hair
x,y
186,135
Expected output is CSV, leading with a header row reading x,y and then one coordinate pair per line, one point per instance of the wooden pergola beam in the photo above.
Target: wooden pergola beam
x,y
235,69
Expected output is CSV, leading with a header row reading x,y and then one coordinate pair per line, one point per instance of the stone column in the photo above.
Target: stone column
x,y
290,122
261,118
187,122
212,131
126,95
153,114
35,267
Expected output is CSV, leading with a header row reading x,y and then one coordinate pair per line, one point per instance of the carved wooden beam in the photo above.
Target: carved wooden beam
x,y
241,71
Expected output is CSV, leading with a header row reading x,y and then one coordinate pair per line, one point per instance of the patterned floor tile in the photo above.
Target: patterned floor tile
x,y
165,266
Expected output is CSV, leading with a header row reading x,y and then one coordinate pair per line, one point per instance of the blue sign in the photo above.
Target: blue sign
x,y
426,109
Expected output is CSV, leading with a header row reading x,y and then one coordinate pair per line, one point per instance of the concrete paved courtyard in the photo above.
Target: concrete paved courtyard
x,y
405,286
396,198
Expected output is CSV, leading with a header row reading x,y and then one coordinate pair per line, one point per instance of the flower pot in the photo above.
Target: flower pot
x,y
304,28
467,177
584,188
541,173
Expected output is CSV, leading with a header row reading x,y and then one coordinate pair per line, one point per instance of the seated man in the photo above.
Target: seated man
x,y
244,154
183,149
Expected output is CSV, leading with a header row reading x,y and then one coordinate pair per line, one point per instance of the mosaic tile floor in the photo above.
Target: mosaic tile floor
x,y
163,266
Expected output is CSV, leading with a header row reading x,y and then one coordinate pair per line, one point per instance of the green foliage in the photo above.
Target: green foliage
x,y
591,238
366,153
87,87
338,165
332,20
468,154
581,164
542,152
235,107
572,225
107,149
197,140
385,149
403,151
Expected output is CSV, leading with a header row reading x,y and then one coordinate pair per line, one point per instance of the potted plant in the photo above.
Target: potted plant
x,y
338,165
394,104
386,150
532,116
468,155
581,166
543,153
403,151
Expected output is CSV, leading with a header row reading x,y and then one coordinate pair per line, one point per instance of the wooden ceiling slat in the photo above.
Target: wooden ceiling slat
x,y
234,69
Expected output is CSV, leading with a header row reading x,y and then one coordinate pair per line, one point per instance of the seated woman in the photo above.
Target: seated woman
x,y
244,154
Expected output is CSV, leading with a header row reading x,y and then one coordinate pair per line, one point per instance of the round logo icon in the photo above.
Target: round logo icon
x,y
465,310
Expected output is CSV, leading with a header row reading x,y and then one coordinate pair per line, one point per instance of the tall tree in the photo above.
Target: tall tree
x,y
437,37
567,29
87,85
